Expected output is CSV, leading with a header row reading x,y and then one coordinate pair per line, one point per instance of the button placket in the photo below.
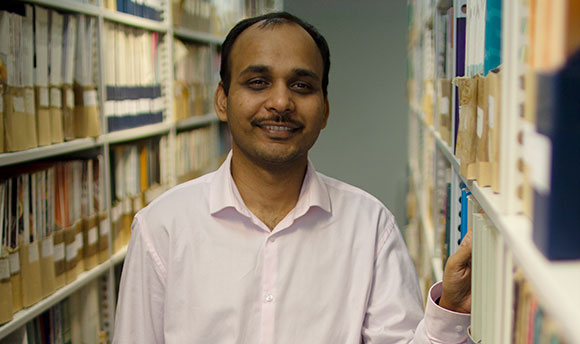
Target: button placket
x,y
269,277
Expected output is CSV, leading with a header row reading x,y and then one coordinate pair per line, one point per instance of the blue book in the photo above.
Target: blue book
x,y
556,230
464,212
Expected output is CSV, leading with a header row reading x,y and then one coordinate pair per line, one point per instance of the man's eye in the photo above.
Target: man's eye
x,y
257,83
302,86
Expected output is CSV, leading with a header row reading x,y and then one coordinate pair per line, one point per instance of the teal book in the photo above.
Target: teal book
x,y
492,48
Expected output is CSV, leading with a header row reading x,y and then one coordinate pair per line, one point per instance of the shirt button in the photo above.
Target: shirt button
x,y
272,240
270,298
458,328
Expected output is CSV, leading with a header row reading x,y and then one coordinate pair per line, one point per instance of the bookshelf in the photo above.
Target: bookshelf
x,y
499,209
107,142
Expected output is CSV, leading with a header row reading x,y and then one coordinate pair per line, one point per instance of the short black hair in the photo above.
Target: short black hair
x,y
274,18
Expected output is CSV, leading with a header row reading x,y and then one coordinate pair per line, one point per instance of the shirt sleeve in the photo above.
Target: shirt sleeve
x,y
139,316
395,308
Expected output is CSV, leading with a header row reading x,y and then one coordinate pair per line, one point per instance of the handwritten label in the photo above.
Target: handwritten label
x,y
70,99
491,111
14,263
55,97
71,252
93,235
4,268
90,98
59,252
479,127
18,104
44,100
79,241
444,104
47,248
104,228
33,253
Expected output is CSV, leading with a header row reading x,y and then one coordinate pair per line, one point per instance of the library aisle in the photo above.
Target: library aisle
x,y
105,105
493,121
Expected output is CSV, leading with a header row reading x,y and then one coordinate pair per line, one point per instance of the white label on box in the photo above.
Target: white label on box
x,y
444,105
479,127
47,248
29,100
55,97
103,228
127,206
14,263
90,98
33,254
538,156
18,104
43,97
116,213
59,252
93,235
71,251
491,111
70,99
4,268
79,241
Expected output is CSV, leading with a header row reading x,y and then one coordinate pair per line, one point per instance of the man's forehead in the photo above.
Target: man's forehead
x,y
253,38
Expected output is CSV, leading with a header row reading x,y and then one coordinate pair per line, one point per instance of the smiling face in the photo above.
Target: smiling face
x,y
275,106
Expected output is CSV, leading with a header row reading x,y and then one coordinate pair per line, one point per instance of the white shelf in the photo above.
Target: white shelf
x,y
135,21
119,256
193,35
95,10
196,121
69,6
27,314
555,283
47,151
136,133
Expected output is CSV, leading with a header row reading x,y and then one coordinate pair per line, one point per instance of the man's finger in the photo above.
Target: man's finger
x,y
464,250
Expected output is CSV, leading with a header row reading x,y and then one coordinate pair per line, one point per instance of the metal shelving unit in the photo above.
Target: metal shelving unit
x,y
554,283
105,140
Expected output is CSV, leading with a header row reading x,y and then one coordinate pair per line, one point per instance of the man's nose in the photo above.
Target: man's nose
x,y
280,99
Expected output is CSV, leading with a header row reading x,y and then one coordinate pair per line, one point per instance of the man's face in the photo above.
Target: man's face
x,y
275,107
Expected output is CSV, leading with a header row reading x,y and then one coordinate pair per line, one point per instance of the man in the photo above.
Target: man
x,y
267,250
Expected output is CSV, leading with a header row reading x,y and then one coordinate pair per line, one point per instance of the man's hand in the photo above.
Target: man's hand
x,y
456,294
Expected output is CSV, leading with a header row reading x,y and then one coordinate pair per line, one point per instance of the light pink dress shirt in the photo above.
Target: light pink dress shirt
x,y
201,268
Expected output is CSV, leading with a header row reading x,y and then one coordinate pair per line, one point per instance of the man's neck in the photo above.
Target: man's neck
x,y
270,192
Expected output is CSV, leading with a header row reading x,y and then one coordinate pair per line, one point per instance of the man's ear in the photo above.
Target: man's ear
x,y
326,112
220,102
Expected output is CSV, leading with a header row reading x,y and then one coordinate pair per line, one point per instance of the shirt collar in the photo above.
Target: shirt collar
x,y
224,192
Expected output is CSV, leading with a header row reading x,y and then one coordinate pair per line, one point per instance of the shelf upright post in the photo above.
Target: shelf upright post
x,y
107,326
168,73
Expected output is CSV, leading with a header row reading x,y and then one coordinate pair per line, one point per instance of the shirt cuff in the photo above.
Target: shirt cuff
x,y
443,325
